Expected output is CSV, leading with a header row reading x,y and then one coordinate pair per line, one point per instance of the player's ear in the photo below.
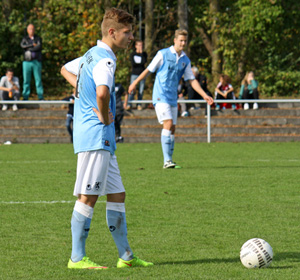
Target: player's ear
x,y
111,32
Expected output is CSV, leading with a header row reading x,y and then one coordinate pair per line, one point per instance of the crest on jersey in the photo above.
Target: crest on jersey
x,y
109,64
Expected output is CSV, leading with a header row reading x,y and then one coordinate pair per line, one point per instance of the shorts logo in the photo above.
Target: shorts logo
x,y
88,187
97,186
106,143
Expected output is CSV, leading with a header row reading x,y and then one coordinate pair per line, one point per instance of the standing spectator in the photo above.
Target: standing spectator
x,y
170,64
98,173
9,89
138,59
32,46
224,90
249,90
192,94
120,91
70,113
182,92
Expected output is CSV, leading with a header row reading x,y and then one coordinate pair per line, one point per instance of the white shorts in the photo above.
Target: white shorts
x,y
165,111
97,174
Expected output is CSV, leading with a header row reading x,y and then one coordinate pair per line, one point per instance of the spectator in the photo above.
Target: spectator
x,y
32,46
70,113
192,94
9,89
138,59
182,93
119,90
249,90
224,90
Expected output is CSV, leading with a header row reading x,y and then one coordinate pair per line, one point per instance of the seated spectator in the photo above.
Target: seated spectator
x,y
119,90
9,89
249,90
182,92
69,120
192,94
223,91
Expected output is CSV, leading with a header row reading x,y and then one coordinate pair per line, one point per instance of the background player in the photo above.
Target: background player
x,y
170,65
94,141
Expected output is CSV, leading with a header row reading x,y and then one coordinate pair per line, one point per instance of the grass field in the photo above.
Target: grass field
x,y
190,222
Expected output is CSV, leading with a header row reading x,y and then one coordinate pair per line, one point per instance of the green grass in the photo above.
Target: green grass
x,y
190,222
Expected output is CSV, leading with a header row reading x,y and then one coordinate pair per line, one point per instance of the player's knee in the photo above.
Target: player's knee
x,y
116,197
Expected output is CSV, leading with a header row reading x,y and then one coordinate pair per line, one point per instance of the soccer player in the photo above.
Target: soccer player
x,y
94,141
170,65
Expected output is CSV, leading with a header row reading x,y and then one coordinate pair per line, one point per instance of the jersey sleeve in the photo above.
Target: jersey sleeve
x,y
188,73
103,73
73,66
156,62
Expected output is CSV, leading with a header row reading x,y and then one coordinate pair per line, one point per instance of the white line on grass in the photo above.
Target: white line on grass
x,y
42,202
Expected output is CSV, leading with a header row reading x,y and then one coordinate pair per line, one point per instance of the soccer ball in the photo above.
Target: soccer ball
x,y
256,253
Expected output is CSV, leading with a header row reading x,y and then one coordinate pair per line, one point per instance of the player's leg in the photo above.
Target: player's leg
x,y
165,117
92,169
174,112
116,218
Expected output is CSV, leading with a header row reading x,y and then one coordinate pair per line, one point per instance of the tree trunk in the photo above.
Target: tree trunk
x,y
183,14
216,63
149,27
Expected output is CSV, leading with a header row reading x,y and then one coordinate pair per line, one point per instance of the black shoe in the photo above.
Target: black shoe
x,y
120,139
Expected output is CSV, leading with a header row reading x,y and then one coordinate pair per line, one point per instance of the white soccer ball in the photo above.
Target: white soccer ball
x,y
256,253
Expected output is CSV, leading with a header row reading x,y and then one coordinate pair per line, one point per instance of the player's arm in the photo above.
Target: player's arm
x,y
70,71
156,62
125,99
103,98
141,77
70,77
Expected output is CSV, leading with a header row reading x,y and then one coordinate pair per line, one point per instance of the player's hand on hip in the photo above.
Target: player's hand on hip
x,y
110,118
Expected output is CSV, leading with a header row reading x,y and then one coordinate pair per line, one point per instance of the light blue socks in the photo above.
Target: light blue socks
x,y
172,144
80,226
166,144
116,221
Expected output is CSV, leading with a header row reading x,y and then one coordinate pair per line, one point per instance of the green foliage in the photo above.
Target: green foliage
x,y
254,35
280,83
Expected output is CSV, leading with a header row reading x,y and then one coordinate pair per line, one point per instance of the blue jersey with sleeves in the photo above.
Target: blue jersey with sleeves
x,y
89,133
168,77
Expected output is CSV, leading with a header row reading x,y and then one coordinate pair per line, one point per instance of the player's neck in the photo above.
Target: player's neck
x,y
108,42
178,51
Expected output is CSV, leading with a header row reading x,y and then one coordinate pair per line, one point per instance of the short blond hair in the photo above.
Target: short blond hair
x,y
179,32
115,18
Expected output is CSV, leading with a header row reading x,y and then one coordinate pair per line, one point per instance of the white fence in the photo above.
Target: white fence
x,y
179,101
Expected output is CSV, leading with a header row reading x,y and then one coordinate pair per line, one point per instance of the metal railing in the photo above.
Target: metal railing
x,y
179,101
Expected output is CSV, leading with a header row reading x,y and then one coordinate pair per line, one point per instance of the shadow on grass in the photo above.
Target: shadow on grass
x,y
229,260
278,257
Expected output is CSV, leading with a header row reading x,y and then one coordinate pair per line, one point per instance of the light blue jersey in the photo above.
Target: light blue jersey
x,y
96,68
168,76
